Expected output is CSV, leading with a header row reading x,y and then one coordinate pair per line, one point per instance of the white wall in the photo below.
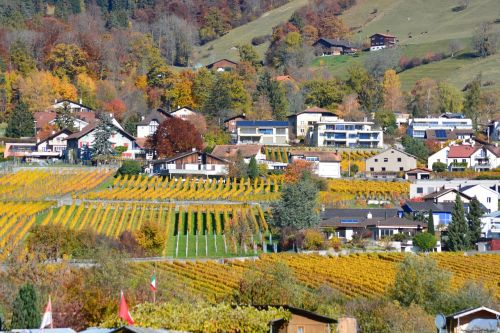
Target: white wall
x,y
328,169
183,113
117,139
440,156
487,197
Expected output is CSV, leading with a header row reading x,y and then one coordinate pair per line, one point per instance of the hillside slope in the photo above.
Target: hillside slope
x,y
225,46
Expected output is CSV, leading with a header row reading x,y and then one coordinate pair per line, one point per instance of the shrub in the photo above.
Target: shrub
x,y
313,240
335,243
401,237
151,237
439,166
425,241
130,168
260,40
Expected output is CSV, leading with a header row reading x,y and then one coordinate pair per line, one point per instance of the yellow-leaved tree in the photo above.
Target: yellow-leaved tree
x,y
391,86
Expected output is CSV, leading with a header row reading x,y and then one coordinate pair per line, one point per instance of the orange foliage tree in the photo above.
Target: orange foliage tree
x,y
173,136
294,170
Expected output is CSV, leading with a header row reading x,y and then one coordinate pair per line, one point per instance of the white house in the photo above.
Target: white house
x,y
73,106
269,132
230,152
420,188
485,195
460,157
334,132
302,123
148,125
81,142
183,112
418,126
54,143
490,225
326,164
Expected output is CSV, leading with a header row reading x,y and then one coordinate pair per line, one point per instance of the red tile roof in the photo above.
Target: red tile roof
x,y
462,151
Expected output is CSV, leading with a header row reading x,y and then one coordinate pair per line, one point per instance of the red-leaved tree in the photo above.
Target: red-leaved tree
x,y
174,136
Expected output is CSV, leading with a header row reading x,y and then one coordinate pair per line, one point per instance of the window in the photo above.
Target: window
x,y
383,168
399,159
266,131
464,160
372,169
401,169
300,329
386,159
420,190
281,131
376,160
488,200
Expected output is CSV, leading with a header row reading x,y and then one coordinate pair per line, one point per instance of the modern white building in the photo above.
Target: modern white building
x,y
148,125
325,164
485,195
267,132
334,132
461,157
490,227
302,123
418,126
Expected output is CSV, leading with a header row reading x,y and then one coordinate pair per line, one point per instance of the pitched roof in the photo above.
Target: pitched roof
x,y
462,151
182,107
271,123
230,151
354,212
300,312
242,116
334,42
442,192
159,115
90,127
398,150
323,156
315,109
73,102
428,205
281,78
419,170
385,35
469,311
223,59
364,222
43,118
184,154
47,136
493,149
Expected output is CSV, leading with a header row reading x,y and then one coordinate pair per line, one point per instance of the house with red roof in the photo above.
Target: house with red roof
x,y
467,156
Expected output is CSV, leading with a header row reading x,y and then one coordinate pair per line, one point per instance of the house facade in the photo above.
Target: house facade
x,y
493,130
183,112
148,125
230,152
485,195
325,164
481,319
332,132
380,41
417,127
190,164
302,321
491,225
418,173
302,123
420,188
230,123
331,47
391,160
466,156
223,65
73,106
54,143
268,132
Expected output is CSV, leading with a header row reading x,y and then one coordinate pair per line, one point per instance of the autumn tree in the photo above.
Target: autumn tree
x,y
424,98
227,93
248,54
485,39
202,87
350,108
450,98
275,94
332,26
324,93
391,87
489,105
214,25
20,58
294,170
473,101
173,136
67,60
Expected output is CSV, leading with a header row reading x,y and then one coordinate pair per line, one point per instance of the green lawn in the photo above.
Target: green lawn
x,y
202,250
225,46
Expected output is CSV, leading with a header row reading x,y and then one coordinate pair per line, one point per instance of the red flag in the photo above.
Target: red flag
x,y
123,312
47,316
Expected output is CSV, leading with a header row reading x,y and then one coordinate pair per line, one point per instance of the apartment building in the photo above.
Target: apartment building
x,y
267,132
302,123
418,126
334,132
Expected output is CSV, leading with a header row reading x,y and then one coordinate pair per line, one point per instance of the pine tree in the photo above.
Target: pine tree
x,y
64,118
474,220
102,146
21,122
458,230
253,170
430,223
25,312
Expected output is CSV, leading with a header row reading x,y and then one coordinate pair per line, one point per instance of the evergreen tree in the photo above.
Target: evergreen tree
x,y
25,312
101,145
430,223
21,122
64,118
297,206
275,93
474,220
458,231
473,101
253,170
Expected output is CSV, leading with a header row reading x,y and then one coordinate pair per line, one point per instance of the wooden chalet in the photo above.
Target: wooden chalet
x,y
332,47
380,41
193,163
223,65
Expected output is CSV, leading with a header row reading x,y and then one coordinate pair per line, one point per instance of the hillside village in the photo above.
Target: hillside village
x,y
281,166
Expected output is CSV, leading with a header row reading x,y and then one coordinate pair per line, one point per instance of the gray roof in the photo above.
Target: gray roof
x,y
363,222
353,213
427,205
159,115
335,42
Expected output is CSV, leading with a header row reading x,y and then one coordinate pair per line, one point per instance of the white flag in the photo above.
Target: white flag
x,y
47,316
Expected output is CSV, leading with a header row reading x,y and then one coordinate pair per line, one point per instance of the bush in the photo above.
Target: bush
x,y
314,240
439,166
335,243
130,168
401,237
425,241
151,238
260,40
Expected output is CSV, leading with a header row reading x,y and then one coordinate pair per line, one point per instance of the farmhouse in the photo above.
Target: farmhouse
x,y
223,65
390,161
190,163
332,47
380,41
480,319
326,164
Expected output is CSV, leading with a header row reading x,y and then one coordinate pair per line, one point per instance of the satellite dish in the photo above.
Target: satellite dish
x,y
440,321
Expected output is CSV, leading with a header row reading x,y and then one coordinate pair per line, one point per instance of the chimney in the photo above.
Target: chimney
x,y
369,215
142,117
193,149
55,101
80,101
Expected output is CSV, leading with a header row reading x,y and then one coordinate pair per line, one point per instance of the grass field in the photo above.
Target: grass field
x,y
225,47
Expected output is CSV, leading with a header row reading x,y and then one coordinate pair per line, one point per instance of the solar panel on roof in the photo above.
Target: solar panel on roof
x,y
440,134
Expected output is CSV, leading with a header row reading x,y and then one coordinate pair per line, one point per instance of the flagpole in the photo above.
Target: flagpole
x,y
51,318
154,290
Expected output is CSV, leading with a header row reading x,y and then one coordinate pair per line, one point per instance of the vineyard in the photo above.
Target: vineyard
x,y
355,275
192,231
16,219
194,188
355,157
40,184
